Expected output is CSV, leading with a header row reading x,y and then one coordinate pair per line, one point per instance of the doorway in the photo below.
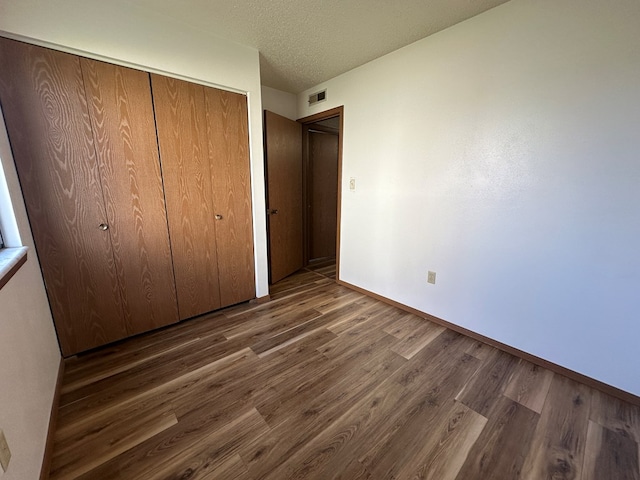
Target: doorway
x,y
320,193
304,230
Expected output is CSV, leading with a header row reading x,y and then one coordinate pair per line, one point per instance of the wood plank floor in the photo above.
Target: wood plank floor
x,y
325,383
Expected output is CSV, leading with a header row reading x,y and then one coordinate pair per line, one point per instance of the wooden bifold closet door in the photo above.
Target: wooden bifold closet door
x,y
83,139
203,139
98,149
124,133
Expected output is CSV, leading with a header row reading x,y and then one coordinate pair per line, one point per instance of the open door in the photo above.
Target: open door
x,y
303,162
283,157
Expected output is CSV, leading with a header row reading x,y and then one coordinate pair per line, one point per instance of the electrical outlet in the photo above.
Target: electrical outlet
x,y
5,453
431,277
352,184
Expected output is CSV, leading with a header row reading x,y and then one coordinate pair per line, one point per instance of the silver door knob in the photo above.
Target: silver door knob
x,y
218,217
103,227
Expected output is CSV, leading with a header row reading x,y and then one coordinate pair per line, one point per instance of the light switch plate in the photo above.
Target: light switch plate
x,y
431,277
352,184
5,453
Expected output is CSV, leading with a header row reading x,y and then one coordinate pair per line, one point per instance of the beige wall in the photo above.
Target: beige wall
x,y
29,353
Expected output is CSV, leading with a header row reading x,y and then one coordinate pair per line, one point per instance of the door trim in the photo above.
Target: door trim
x,y
306,121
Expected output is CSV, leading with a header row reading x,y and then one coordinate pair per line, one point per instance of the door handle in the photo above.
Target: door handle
x,y
272,212
103,227
218,217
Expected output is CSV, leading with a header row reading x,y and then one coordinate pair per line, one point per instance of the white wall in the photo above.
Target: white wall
x,y
120,32
29,353
503,153
282,103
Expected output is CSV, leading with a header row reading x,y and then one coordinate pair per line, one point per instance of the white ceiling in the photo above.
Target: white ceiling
x,y
305,42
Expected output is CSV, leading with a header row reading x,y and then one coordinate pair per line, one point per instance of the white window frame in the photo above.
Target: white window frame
x,y
12,254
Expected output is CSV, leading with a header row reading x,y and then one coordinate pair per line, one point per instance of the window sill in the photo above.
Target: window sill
x,y
11,259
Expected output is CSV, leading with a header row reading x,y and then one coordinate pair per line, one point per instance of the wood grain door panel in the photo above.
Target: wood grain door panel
x,y
323,194
182,136
47,118
228,137
124,133
283,140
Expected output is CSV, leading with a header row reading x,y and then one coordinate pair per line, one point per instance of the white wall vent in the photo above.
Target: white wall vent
x,y
318,97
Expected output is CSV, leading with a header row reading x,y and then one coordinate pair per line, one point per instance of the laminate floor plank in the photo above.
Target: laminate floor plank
x,y
163,456
231,468
265,313
301,327
290,293
361,343
405,326
213,455
529,385
557,450
341,299
163,338
299,281
294,379
609,454
149,368
116,428
399,441
329,272
313,341
362,429
324,383
198,410
376,316
481,351
148,377
446,448
448,347
381,427
335,446
367,311
276,409
616,415
237,384
418,339
265,455
83,379
103,447
486,388
501,448
306,300
262,311
263,330
325,267
93,416
353,470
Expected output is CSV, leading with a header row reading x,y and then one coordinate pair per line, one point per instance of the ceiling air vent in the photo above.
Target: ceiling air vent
x,y
318,97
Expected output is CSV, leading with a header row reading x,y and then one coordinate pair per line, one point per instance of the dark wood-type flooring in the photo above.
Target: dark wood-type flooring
x,y
325,383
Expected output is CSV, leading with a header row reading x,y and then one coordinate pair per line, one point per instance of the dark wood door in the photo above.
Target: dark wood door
x,y
181,121
47,117
228,143
323,194
283,142
124,133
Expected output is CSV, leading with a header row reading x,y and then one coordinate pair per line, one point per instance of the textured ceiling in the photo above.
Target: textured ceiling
x,y
305,42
